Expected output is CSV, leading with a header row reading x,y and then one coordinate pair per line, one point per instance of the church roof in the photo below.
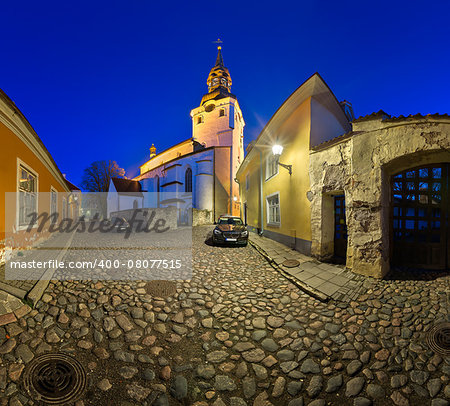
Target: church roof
x,y
127,186
217,94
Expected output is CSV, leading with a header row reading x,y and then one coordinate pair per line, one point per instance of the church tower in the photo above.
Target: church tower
x,y
218,122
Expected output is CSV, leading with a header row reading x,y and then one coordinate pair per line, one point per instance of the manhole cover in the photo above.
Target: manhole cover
x,y
290,263
438,338
55,379
161,288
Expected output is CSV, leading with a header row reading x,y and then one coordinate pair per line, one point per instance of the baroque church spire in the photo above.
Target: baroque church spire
x,y
219,80
219,59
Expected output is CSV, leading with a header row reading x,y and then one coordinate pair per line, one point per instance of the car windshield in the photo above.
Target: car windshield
x,y
231,220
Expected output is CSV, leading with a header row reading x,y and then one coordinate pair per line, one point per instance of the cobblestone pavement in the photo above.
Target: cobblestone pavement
x,y
319,279
237,334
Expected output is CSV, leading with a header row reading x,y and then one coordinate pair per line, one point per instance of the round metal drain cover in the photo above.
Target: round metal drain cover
x,y
290,263
161,288
55,379
438,338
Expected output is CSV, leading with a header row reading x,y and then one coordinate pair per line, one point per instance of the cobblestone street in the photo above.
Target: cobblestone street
x,y
239,333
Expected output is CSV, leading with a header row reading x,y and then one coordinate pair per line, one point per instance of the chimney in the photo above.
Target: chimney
x,y
348,109
152,151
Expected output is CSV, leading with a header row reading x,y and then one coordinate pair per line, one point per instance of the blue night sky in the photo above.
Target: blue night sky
x,y
104,79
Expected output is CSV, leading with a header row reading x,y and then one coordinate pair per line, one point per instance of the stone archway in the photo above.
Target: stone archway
x,y
415,197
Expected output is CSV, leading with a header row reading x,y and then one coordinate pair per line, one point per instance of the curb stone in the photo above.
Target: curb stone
x,y
303,286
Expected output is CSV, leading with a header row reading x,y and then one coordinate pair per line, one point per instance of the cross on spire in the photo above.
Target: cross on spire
x,y
219,59
218,42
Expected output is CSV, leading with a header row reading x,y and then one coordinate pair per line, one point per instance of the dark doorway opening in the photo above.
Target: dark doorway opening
x,y
340,230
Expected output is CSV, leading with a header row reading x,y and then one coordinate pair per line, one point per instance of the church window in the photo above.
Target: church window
x,y
188,181
199,120
222,112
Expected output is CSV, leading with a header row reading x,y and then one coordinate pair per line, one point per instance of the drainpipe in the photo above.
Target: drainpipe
x,y
261,209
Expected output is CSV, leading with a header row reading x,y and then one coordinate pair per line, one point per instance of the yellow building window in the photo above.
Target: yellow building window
x,y
27,195
271,166
273,209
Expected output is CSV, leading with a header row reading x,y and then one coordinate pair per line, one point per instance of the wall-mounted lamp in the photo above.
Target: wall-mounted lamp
x,y
277,150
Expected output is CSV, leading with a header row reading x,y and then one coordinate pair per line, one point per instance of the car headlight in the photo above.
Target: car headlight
x,y
244,233
217,232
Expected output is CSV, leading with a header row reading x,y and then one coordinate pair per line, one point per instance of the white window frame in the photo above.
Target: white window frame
x,y
64,208
53,190
271,158
28,168
273,223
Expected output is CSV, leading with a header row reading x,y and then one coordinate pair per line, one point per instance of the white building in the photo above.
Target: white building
x,y
124,194
200,171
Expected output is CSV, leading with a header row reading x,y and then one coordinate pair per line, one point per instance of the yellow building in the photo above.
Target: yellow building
x,y
27,169
275,201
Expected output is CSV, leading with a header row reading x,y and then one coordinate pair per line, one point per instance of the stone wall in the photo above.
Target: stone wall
x,y
360,166
169,214
202,217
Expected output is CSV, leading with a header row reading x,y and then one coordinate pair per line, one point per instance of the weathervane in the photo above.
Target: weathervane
x,y
218,42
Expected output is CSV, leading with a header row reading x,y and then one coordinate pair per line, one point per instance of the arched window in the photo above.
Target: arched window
x,y
188,181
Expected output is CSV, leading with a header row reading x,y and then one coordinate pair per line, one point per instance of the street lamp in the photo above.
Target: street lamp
x,y
277,150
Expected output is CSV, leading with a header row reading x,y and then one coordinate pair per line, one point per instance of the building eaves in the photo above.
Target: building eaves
x,y
379,114
33,133
416,116
333,141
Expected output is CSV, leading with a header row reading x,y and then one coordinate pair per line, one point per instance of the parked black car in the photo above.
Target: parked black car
x,y
230,230
119,224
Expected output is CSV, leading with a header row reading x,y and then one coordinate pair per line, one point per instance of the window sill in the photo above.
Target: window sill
x,y
271,177
273,224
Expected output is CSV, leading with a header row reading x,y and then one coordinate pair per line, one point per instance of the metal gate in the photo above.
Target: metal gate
x,y
419,217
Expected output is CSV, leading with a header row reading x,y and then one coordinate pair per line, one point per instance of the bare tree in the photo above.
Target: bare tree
x,y
97,176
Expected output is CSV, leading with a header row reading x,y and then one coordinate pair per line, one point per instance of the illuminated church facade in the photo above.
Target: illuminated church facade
x,y
201,170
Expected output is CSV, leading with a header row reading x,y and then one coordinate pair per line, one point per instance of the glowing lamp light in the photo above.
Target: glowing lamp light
x,y
235,198
277,149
